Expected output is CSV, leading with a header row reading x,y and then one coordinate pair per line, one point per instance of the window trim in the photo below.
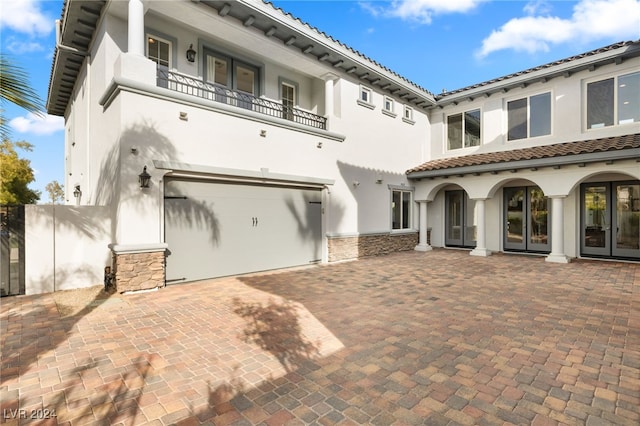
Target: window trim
x,y
402,189
446,130
367,104
408,118
616,97
528,99
286,82
172,41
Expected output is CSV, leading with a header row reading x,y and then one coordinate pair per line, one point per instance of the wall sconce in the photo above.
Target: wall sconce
x,y
191,54
144,178
379,178
76,194
319,145
263,133
356,184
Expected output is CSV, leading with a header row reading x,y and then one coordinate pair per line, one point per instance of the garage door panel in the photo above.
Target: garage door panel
x,y
219,229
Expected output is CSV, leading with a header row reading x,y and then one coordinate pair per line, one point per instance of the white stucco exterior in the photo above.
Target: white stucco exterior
x,y
120,118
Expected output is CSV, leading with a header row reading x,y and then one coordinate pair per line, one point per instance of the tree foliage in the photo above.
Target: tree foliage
x,y
15,88
16,174
55,191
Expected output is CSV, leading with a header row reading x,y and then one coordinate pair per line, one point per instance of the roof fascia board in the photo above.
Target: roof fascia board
x,y
565,160
337,48
557,70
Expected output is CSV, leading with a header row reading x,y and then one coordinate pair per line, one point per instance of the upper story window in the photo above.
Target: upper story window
x,y
614,100
232,74
463,130
365,94
159,51
388,104
408,113
529,117
400,209
288,95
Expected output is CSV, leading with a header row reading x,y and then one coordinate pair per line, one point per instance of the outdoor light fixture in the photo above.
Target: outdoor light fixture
x,y
191,54
144,178
76,194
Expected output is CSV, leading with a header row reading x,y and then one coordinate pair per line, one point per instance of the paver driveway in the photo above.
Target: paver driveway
x,y
410,338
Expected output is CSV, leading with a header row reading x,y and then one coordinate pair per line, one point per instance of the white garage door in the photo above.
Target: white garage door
x,y
220,229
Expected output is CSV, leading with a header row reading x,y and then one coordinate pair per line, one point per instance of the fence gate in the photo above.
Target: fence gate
x,y
12,250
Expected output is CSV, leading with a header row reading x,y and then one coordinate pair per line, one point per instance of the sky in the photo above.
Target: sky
x,y
437,44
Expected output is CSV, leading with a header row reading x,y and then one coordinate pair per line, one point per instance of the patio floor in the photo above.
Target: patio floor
x,y
437,338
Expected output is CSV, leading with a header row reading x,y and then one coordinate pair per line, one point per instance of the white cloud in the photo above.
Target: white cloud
x,y
421,11
591,20
25,16
537,7
17,46
39,125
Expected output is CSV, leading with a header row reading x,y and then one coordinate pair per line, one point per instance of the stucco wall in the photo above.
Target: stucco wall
x,y
65,247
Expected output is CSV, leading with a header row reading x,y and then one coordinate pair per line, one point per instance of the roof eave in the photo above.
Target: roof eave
x,y
535,163
524,78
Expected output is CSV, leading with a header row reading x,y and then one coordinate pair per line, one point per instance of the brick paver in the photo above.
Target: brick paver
x,y
410,338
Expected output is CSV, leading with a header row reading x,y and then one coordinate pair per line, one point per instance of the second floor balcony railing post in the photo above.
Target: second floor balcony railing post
x,y
213,92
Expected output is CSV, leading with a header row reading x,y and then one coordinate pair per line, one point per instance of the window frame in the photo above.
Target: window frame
x,y
365,103
528,113
407,115
401,189
390,110
462,114
615,101
288,115
165,38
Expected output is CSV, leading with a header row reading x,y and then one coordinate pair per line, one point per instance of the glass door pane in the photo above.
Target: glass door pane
x,y
627,220
538,235
515,226
596,219
454,213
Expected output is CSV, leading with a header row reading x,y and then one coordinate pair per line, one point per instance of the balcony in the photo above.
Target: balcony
x,y
192,86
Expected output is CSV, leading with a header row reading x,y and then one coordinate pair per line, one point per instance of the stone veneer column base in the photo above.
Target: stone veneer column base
x,y
353,247
138,267
557,258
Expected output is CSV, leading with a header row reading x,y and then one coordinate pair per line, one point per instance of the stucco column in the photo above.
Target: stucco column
x,y
329,78
557,231
136,28
423,245
481,232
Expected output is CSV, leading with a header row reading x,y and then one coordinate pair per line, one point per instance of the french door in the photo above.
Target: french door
x,y
526,220
610,219
460,229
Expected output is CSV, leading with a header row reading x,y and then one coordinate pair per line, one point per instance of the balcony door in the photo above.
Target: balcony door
x,y
610,219
526,225
236,82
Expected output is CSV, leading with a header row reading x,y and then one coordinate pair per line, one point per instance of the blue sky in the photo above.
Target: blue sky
x,y
438,44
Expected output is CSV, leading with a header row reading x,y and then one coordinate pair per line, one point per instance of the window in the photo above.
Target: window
x,y
227,74
388,104
288,95
400,209
463,130
529,117
408,113
613,101
159,51
365,94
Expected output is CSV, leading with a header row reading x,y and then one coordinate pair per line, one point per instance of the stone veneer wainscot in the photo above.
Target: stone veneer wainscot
x,y
138,267
353,247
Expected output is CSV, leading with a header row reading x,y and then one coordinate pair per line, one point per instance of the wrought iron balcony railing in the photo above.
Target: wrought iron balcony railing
x,y
192,86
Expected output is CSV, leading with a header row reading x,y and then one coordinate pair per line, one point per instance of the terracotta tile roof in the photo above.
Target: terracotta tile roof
x,y
541,67
615,143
